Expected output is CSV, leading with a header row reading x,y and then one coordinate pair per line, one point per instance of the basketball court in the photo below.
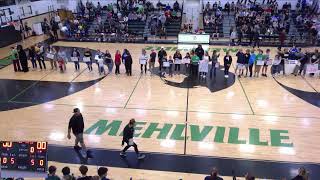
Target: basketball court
x,y
267,126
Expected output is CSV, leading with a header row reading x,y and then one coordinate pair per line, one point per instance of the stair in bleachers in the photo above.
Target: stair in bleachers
x,y
173,28
136,27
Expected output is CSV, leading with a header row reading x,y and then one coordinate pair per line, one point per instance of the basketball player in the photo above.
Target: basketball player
x,y
76,124
128,133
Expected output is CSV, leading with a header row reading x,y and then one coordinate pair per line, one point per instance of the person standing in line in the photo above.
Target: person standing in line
x,y
152,60
23,58
14,58
117,62
128,133
227,63
161,55
266,61
187,65
32,57
259,59
199,52
100,62
247,57
101,54
76,54
128,63
39,55
62,59
108,61
194,64
143,59
214,60
304,60
171,61
275,69
177,57
206,59
240,62
284,58
52,57
252,59
124,56
88,54
76,125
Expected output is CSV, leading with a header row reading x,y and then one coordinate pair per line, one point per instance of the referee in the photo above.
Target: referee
x,y
76,124
128,132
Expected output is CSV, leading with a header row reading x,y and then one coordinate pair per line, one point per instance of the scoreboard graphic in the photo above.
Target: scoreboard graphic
x,y
23,159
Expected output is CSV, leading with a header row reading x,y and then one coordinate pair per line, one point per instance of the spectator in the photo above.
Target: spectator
x,y
84,170
23,58
102,172
66,174
213,175
52,173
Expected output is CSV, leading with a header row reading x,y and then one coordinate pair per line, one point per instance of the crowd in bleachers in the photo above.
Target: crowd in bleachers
x,y
213,17
162,15
256,22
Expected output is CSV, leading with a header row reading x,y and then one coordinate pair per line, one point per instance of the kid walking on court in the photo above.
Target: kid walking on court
x,y
128,132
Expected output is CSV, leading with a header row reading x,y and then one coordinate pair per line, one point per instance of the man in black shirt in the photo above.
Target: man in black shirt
x,y
76,124
199,51
161,55
128,133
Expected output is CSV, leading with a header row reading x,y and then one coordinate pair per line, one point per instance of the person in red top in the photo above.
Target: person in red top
x,y
282,37
117,61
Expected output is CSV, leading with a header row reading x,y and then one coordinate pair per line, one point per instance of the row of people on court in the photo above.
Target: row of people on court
x,y
67,175
260,61
249,62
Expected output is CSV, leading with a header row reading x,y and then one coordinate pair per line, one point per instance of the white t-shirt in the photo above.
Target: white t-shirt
x,y
100,62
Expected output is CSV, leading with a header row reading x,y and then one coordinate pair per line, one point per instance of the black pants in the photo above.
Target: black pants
x,y
145,68
117,69
194,69
41,60
177,67
77,65
250,69
213,70
226,70
128,146
160,65
89,65
128,69
16,65
34,62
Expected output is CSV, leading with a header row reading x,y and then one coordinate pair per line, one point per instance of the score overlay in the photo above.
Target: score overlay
x,y
23,158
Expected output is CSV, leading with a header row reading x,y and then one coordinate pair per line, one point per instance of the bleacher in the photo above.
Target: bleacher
x,y
136,27
173,28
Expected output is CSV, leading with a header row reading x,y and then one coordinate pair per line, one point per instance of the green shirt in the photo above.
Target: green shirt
x,y
14,54
195,59
259,57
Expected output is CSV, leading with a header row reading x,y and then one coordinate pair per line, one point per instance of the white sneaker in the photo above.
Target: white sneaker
x,y
123,154
84,154
141,156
